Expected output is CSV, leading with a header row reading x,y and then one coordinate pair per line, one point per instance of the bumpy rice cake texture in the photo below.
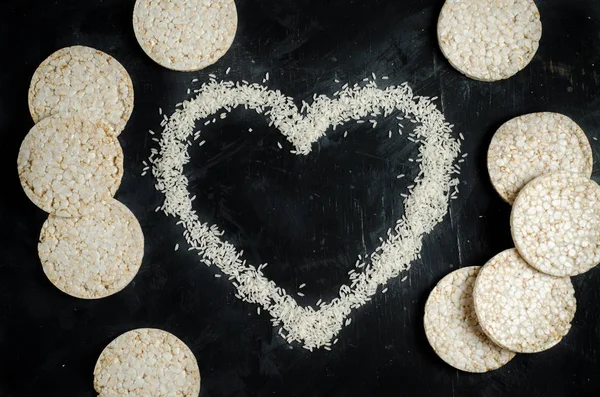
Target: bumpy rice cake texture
x,y
555,224
185,35
95,256
83,81
489,40
148,363
521,309
67,164
452,329
535,144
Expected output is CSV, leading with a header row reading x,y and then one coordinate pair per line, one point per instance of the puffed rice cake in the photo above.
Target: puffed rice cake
x,y
452,329
555,224
95,256
66,164
535,144
83,81
147,363
519,308
185,35
489,40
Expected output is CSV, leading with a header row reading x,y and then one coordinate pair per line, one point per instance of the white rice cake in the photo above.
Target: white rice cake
x,y
67,164
535,144
489,40
83,81
521,309
555,224
452,329
94,256
185,35
147,363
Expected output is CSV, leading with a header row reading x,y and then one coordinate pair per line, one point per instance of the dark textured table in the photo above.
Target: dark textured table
x,y
308,217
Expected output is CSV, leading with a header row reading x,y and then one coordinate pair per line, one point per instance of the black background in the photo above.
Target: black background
x,y
308,217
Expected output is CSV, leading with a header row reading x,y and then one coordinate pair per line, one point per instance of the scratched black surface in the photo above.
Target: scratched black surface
x,y
307,217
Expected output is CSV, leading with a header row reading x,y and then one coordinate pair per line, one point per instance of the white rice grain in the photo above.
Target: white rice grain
x,y
428,202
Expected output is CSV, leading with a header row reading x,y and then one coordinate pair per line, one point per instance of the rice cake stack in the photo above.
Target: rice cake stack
x,y
452,328
476,319
71,164
523,299
542,164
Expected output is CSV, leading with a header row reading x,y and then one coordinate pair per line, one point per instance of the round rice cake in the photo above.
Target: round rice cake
x,y
521,309
95,256
452,329
555,224
489,40
147,362
535,144
185,35
83,81
67,164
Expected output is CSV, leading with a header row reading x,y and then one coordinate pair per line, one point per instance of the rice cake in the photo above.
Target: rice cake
x,y
149,363
83,81
67,164
489,40
185,36
521,309
555,224
94,256
452,329
535,144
